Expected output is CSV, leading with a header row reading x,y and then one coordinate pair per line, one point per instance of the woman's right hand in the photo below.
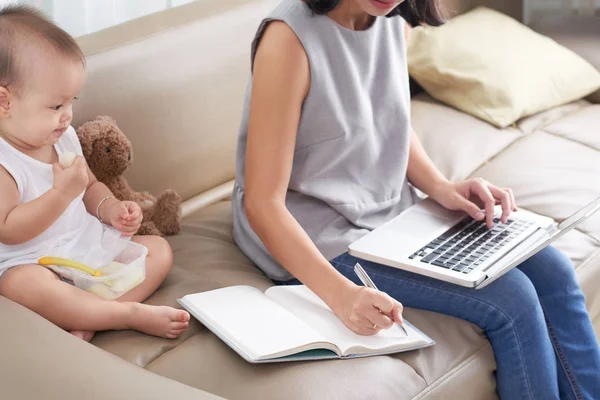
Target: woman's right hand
x,y
366,311
72,181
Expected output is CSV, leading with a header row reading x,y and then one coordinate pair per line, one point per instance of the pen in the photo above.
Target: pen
x,y
366,280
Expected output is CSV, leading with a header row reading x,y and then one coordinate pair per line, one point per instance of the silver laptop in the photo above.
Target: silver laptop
x,y
430,240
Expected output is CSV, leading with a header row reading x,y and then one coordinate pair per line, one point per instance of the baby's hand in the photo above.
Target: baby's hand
x,y
125,216
71,181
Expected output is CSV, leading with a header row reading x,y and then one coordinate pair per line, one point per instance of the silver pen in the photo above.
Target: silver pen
x,y
366,280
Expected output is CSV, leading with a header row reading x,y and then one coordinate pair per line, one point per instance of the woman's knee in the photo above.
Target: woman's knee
x,y
513,299
551,270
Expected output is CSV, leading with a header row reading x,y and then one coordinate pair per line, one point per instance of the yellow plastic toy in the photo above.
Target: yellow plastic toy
x,y
63,262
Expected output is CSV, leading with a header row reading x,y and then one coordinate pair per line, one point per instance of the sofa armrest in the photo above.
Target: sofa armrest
x,y
41,361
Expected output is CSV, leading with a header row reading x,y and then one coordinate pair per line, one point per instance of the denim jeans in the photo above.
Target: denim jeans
x,y
534,317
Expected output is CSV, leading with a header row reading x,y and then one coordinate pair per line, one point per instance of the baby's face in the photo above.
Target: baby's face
x,y
43,109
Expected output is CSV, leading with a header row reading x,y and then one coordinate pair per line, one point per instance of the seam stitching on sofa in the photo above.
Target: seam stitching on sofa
x,y
588,261
149,363
570,140
452,372
544,123
589,235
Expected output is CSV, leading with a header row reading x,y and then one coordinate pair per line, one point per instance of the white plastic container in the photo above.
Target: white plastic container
x,y
118,280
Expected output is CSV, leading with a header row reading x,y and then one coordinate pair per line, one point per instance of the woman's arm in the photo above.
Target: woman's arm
x,y
280,83
281,80
422,172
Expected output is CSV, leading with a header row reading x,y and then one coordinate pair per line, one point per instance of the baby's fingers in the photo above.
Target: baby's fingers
x,y
134,222
135,217
129,230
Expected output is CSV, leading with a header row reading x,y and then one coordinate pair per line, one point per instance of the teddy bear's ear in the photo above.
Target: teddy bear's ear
x,y
87,134
105,118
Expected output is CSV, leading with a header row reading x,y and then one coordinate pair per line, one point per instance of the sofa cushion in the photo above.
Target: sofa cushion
x,y
207,258
542,119
582,126
446,369
559,177
457,142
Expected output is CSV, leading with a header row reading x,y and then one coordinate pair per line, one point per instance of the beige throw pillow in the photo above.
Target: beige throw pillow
x,y
489,65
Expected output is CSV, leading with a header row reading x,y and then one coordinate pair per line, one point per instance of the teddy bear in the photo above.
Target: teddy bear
x,y
108,154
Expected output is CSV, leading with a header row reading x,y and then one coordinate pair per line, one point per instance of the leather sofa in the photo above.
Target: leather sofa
x,y
174,81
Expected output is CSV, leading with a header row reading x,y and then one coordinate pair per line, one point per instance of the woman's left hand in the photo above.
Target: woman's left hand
x,y
473,195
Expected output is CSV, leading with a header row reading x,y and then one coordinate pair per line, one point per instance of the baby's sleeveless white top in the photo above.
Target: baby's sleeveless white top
x,y
76,235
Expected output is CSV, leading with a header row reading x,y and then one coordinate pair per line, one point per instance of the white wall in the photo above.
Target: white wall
x,y
536,8
79,17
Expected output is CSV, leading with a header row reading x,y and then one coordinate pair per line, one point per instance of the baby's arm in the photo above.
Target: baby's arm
x,y
125,216
20,223
94,194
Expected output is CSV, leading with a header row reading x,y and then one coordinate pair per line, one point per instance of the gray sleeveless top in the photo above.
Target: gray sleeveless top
x,y
349,169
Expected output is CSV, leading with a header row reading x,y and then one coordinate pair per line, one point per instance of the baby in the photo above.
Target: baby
x,y
48,210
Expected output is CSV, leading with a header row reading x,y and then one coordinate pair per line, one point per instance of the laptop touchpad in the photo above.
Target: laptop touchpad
x,y
422,225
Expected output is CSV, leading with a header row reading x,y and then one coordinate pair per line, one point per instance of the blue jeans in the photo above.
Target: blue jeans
x,y
534,317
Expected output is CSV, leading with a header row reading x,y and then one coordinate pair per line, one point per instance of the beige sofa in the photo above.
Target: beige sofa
x,y
174,82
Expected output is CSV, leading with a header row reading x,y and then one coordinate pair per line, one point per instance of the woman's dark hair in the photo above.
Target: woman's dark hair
x,y
415,12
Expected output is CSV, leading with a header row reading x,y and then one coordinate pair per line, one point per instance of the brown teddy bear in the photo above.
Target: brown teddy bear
x,y
108,153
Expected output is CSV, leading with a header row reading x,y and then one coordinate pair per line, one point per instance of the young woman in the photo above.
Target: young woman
x,y
326,153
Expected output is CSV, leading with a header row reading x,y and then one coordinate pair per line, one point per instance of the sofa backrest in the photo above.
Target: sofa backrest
x,y
174,82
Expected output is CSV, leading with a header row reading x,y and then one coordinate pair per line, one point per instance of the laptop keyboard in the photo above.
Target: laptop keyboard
x,y
468,244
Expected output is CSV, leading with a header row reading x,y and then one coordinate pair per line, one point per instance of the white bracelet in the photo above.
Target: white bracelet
x,y
99,204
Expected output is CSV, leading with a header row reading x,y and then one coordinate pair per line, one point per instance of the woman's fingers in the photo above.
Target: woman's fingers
x,y
505,200
378,319
372,311
390,309
513,202
480,188
470,208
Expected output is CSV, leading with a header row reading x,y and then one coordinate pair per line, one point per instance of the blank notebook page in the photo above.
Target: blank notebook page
x,y
252,320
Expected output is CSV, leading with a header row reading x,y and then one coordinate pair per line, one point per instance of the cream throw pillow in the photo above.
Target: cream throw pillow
x,y
491,66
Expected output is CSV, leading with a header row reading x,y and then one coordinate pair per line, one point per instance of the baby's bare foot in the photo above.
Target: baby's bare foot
x,y
159,321
84,335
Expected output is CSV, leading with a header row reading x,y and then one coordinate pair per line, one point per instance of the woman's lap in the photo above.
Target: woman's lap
x,y
514,311
418,291
534,316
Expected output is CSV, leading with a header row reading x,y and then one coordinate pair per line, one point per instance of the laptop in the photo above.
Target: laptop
x,y
430,240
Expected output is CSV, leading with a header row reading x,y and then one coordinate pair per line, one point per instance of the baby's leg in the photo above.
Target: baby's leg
x,y
38,289
158,265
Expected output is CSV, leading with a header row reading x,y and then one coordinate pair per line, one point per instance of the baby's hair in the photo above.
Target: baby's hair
x,y
20,26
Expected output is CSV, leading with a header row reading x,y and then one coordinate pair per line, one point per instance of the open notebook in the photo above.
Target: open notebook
x,y
290,323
